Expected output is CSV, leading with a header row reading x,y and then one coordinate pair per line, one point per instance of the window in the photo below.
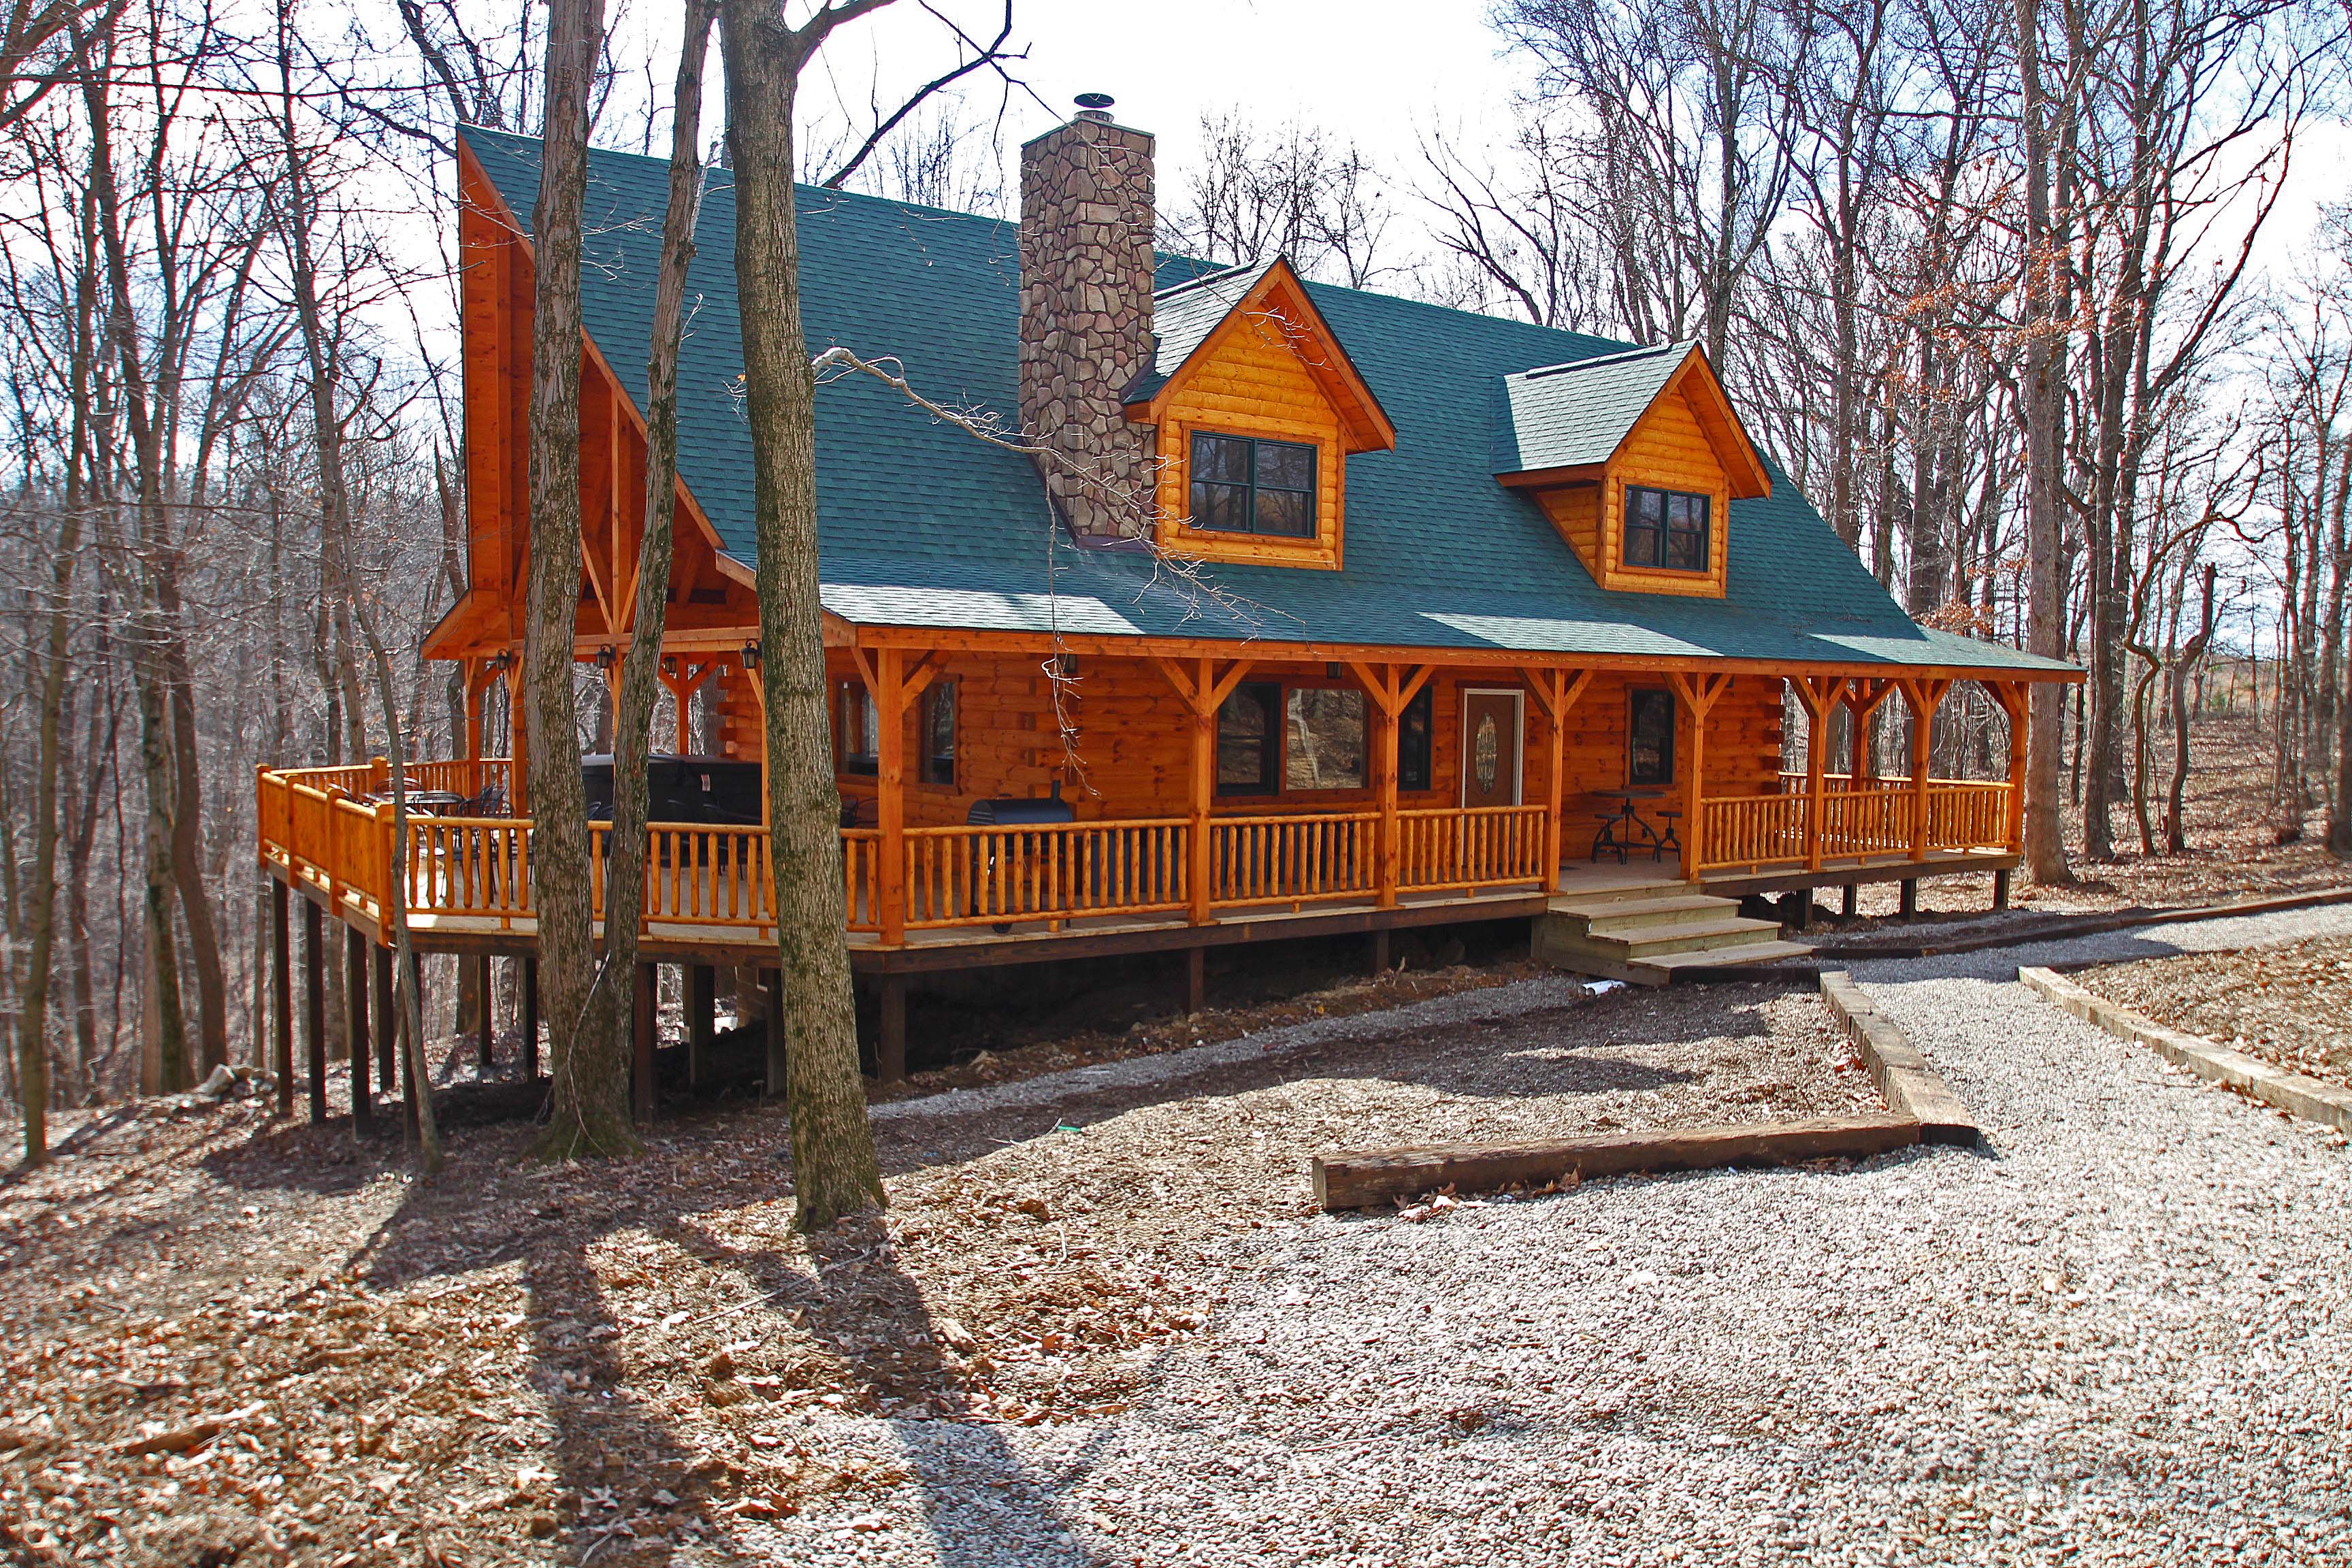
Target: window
x,y
1326,740
939,733
1665,529
1242,486
1413,728
1649,738
1249,742
857,729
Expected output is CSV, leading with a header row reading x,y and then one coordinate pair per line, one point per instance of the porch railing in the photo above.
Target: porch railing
x,y
1481,846
1256,860
1050,871
1861,819
479,871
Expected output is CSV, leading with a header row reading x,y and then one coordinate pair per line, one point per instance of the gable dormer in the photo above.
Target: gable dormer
x,y
1635,458
1255,408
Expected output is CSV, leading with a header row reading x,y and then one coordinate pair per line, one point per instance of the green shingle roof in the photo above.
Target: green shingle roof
x,y
1569,416
918,525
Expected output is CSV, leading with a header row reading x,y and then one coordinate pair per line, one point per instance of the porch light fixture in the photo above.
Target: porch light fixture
x,y
606,657
750,655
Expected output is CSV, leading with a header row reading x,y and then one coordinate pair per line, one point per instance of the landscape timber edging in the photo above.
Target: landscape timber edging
x,y
1366,1178
2289,1092
1912,1088
2064,927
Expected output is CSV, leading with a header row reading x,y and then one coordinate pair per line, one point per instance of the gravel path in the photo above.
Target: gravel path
x,y
2120,1333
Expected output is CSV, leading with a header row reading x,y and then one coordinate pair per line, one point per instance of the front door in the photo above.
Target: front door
x,y
1490,748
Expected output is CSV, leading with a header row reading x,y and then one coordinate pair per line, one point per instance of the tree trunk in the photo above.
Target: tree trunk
x,y
2043,395
583,1002
834,1168
624,867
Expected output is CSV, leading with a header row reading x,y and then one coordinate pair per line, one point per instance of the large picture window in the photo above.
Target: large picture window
x,y
1649,738
939,733
1414,726
1249,741
856,729
1326,739
1244,486
1665,529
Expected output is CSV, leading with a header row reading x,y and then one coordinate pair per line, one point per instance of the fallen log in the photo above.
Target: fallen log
x,y
1360,1179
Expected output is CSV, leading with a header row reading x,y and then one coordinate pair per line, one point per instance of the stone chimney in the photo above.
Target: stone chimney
x,y
1085,317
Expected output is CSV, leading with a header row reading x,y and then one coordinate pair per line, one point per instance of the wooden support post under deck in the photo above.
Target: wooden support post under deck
x,y
2000,889
890,1048
1852,900
530,1020
281,968
355,1003
641,1042
387,1026
772,984
487,1020
1381,940
314,1004
701,1018
1196,980
412,1051
1910,897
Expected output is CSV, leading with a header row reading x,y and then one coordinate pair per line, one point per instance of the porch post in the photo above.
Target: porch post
x,y
1384,784
1694,842
471,680
1204,692
1924,697
891,794
1556,694
518,744
1204,791
1820,702
2011,695
281,972
1697,695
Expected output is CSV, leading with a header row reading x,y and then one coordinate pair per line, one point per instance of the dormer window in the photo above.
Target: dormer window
x,y
1244,486
1666,530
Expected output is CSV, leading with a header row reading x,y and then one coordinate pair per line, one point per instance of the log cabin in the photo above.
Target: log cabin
x,y
1299,610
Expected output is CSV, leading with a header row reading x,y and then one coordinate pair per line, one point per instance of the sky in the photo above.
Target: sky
x,y
1375,73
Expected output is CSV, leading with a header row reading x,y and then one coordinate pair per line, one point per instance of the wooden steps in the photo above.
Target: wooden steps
x,y
1643,935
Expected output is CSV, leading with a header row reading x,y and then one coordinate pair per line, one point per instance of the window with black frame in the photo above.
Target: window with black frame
x,y
1244,486
1249,741
857,729
939,733
1666,530
1414,726
1649,738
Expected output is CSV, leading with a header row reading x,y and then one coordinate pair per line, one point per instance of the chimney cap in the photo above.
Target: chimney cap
x,y
1095,106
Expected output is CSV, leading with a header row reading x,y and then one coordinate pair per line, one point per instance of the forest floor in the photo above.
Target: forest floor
x,y
2289,1005
228,1338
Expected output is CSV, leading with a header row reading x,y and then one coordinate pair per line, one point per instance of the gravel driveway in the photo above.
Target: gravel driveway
x,y
2120,1333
